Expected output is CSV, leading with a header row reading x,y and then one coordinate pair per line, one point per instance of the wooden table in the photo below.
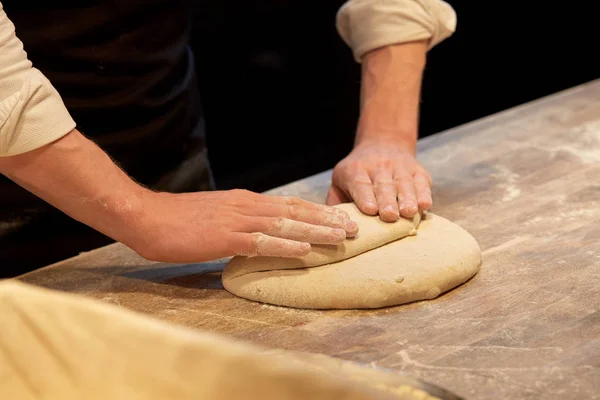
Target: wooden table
x,y
525,183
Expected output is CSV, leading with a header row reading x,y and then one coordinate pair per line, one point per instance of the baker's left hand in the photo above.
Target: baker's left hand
x,y
381,177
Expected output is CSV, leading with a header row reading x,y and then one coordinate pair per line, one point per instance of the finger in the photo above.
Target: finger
x,y
360,189
407,200
297,201
259,244
317,214
423,190
336,196
386,193
295,230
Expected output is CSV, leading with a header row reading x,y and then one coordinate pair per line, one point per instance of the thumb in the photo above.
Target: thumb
x,y
336,196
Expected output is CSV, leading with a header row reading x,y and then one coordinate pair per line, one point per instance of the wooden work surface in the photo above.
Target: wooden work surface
x,y
525,183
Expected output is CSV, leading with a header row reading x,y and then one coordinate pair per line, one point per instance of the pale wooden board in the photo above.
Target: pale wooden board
x,y
525,183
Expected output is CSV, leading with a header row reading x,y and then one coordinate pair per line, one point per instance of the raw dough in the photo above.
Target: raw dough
x,y
373,233
396,382
61,346
438,258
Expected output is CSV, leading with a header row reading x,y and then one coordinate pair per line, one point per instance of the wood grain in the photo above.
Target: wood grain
x,y
525,183
61,346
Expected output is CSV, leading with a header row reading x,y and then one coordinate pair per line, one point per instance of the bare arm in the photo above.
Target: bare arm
x,y
76,176
390,94
381,173
41,150
390,38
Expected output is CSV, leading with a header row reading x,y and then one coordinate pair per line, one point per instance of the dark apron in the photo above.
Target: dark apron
x,y
126,73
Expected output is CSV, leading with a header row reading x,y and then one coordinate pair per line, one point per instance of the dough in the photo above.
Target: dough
x,y
61,346
396,383
372,233
373,274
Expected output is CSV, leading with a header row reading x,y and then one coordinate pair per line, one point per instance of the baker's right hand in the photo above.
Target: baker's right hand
x,y
202,226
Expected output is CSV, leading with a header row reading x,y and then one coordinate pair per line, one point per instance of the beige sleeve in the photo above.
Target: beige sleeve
x,y
32,114
366,25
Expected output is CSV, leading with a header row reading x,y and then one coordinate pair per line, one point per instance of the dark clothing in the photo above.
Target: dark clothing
x,y
126,73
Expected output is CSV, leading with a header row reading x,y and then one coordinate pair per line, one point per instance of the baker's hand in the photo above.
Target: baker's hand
x,y
381,177
195,227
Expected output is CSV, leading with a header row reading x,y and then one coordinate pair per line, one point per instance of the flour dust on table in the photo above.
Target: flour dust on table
x,y
386,264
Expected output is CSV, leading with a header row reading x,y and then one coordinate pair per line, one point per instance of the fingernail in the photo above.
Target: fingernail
x,y
372,207
351,226
409,206
389,208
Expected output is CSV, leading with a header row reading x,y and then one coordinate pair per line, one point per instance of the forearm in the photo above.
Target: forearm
x,y
77,177
390,94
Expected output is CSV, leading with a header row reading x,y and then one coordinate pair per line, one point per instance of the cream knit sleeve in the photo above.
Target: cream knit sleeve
x,y
32,114
366,25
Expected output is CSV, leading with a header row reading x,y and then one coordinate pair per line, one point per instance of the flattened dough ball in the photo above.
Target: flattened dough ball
x,y
380,270
372,233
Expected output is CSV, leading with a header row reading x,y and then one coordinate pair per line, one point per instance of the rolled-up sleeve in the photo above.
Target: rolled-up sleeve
x,y
366,25
32,113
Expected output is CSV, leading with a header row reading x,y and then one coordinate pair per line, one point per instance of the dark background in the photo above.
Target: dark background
x,y
280,88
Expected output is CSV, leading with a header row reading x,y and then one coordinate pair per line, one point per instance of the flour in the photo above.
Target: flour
x,y
584,143
512,192
507,182
570,215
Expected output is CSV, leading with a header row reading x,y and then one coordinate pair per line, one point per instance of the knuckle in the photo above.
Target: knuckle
x,y
406,196
403,180
241,192
291,201
340,214
241,198
340,166
294,211
333,220
424,175
349,166
252,247
277,224
383,185
340,172
361,181
257,238
412,197
387,164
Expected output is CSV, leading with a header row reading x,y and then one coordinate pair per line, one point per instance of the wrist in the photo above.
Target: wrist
x,y
402,140
135,220
101,195
375,126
